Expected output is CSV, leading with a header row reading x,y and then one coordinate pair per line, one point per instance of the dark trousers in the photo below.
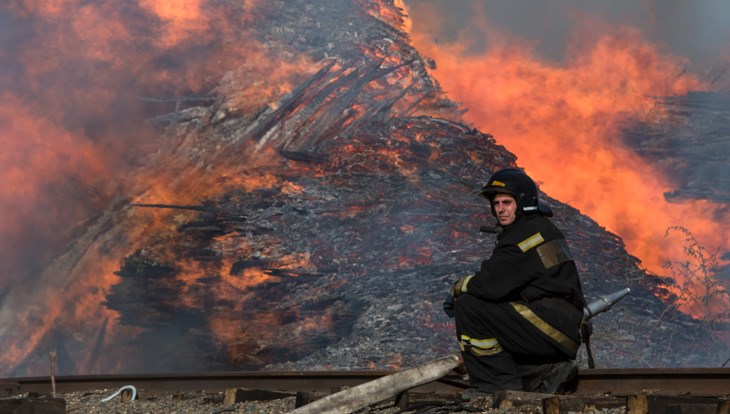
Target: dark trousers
x,y
521,346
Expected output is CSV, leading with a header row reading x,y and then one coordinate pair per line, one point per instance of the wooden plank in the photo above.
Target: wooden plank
x,y
637,404
409,400
236,395
510,399
671,404
723,407
355,398
33,406
8,388
580,403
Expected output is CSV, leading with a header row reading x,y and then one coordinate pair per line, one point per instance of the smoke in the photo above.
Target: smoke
x,y
564,87
696,31
81,80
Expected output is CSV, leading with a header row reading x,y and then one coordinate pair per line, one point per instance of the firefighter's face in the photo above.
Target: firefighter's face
x,y
506,208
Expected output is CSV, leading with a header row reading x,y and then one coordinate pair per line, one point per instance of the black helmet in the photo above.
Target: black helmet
x,y
516,183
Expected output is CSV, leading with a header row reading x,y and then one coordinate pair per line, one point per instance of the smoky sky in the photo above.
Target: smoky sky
x,y
698,31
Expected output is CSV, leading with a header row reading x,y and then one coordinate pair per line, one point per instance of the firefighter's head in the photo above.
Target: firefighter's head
x,y
515,183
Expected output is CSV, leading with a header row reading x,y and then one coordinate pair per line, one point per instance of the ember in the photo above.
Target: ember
x,y
263,185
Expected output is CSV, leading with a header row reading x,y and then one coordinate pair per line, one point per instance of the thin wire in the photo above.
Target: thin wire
x,y
119,391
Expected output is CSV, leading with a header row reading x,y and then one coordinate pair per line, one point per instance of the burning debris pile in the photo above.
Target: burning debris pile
x,y
691,143
319,230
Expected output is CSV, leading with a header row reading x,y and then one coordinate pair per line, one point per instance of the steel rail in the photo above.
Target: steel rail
x,y
700,382
289,381
697,382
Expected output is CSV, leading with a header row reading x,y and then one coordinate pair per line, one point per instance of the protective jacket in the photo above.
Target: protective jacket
x,y
530,261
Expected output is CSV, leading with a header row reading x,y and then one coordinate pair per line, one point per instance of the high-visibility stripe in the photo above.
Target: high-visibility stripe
x,y
530,242
480,347
481,343
465,285
485,352
546,328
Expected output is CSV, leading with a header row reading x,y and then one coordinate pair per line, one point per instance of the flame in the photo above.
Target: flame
x,y
36,153
182,20
394,14
63,133
564,124
61,301
75,107
77,98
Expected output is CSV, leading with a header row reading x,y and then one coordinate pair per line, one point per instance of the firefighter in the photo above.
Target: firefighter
x,y
518,318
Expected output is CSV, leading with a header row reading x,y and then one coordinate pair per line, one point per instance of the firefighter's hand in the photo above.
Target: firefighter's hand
x,y
449,306
460,286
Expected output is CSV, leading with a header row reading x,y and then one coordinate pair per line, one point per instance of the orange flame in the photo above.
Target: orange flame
x,y
564,125
84,69
64,138
394,16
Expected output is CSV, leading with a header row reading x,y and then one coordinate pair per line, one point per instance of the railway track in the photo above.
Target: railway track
x,y
697,382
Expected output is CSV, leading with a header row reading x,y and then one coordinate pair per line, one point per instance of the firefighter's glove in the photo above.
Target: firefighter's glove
x,y
449,305
460,286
